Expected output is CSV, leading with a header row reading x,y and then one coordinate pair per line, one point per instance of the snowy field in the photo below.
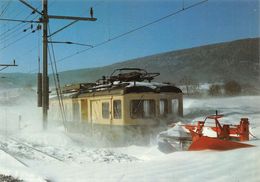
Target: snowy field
x,y
79,160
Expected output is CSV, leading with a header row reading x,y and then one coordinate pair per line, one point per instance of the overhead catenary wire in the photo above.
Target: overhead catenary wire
x,y
21,22
18,20
9,36
17,13
71,23
183,9
3,25
31,7
134,30
5,8
13,42
15,28
17,40
10,32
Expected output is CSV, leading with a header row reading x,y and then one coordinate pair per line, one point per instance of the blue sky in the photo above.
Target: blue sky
x,y
211,22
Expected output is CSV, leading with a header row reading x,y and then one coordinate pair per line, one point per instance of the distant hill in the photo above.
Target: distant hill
x,y
236,60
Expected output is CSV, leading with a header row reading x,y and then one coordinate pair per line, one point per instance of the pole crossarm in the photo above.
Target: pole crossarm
x,y
31,7
71,18
7,65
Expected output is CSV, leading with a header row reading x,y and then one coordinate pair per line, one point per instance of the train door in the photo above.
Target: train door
x,y
94,111
76,111
84,110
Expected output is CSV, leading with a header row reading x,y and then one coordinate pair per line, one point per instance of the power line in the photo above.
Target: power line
x,y
17,14
130,31
13,11
16,27
31,7
17,40
11,36
6,7
21,22
13,42
134,30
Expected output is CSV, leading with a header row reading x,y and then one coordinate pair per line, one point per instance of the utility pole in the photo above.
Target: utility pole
x,y
44,20
45,84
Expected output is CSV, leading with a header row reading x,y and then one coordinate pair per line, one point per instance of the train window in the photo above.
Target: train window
x,y
142,108
136,109
163,107
175,106
105,110
117,109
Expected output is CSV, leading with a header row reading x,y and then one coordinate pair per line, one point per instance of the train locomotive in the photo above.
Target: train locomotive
x,y
126,102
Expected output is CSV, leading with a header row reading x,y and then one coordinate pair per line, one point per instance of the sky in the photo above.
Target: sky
x,y
211,22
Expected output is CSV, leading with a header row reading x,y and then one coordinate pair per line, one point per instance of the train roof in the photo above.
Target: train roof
x,y
128,80
119,88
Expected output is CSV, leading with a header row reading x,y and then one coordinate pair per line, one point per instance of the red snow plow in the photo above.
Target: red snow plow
x,y
197,137
227,136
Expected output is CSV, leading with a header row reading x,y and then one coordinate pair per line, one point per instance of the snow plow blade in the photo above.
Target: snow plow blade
x,y
208,143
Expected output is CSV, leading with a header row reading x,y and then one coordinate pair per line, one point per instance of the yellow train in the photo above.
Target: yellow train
x,y
119,102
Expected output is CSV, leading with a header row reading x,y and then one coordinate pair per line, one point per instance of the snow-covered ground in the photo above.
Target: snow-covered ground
x,y
79,160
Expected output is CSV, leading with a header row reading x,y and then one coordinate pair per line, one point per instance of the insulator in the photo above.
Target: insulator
x,y
39,27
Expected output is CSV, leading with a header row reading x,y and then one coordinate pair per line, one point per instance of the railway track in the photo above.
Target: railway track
x,y
14,157
30,150
37,150
13,154
18,160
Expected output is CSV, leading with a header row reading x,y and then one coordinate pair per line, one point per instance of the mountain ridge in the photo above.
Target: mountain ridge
x,y
235,60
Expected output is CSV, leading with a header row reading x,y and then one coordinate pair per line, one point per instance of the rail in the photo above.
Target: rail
x,y
30,147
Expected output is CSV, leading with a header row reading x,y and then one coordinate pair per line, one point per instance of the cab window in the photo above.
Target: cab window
x,y
142,108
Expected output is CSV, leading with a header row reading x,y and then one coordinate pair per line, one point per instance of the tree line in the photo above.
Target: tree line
x,y
191,87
